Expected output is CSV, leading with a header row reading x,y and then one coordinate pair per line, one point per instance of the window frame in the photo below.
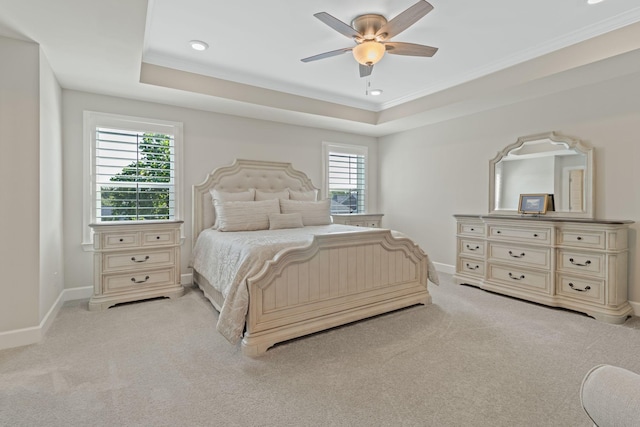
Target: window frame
x,y
93,120
349,149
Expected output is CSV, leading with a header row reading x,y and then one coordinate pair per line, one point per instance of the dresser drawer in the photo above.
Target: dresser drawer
x,y
580,262
139,279
471,228
521,278
520,234
471,266
120,240
533,257
161,237
582,289
581,238
471,247
137,260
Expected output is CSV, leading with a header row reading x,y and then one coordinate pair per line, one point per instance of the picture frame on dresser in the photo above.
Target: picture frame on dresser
x,y
534,204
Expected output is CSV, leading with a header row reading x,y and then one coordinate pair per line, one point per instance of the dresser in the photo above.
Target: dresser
x,y
578,264
358,219
135,262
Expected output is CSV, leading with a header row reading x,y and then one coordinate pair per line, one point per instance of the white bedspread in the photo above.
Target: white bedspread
x,y
228,259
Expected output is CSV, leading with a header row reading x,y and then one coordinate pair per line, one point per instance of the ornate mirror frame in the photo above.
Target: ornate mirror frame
x,y
570,143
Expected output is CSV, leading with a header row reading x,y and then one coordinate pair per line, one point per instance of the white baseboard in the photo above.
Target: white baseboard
x,y
636,307
445,268
186,279
34,334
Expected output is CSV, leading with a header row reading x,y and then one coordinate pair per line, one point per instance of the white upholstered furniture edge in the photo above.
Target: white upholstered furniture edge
x,y
335,259
610,396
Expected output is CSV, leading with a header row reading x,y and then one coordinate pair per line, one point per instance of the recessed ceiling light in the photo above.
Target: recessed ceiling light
x,y
375,92
594,1
198,45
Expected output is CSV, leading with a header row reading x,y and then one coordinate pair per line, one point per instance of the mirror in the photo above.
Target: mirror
x,y
546,163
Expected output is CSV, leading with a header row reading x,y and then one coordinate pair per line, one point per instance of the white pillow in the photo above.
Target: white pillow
x,y
268,195
245,216
290,220
313,213
230,196
311,195
233,196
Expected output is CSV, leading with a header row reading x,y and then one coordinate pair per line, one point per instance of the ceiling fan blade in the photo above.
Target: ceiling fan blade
x,y
338,25
365,70
404,20
327,54
410,49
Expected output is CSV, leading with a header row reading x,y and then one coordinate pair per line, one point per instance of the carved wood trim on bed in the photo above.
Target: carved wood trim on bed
x,y
337,279
242,175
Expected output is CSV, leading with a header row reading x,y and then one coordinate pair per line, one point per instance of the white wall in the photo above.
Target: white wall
x,y
51,229
429,174
19,184
210,140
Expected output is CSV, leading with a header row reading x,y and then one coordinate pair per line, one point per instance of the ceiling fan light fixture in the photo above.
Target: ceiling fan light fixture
x,y
368,52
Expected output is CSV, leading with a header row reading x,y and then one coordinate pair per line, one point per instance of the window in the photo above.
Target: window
x,y
346,177
133,169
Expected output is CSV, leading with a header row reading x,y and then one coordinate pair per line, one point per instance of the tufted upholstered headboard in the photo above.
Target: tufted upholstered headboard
x,y
241,176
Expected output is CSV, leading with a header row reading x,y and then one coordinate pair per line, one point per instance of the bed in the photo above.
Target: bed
x,y
326,276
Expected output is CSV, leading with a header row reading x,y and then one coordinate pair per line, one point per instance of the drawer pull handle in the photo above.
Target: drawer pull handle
x,y
516,278
157,237
133,279
122,240
586,288
516,256
473,249
586,263
535,234
579,238
472,268
498,231
139,260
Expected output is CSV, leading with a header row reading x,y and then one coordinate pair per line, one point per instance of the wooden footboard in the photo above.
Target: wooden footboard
x,y
338,279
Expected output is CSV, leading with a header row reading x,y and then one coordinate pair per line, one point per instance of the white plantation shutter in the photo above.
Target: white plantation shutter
x,y
134,175
346,168
132,169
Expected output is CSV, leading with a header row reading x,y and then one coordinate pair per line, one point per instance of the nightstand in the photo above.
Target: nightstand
x,y
135,262
358,219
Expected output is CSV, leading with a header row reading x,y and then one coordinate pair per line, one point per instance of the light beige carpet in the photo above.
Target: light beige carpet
x,y
472,358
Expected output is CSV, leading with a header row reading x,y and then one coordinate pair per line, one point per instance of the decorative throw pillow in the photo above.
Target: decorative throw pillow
x,y
313,213
231,196
269,195
310,196
245,216
290,220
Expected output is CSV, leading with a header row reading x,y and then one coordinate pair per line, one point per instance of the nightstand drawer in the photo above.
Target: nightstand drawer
x,y
120,240
584,263
161,237
139,279
534,257
582,239
137,260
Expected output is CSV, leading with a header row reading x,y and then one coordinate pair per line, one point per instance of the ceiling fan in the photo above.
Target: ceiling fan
x,y
372,33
